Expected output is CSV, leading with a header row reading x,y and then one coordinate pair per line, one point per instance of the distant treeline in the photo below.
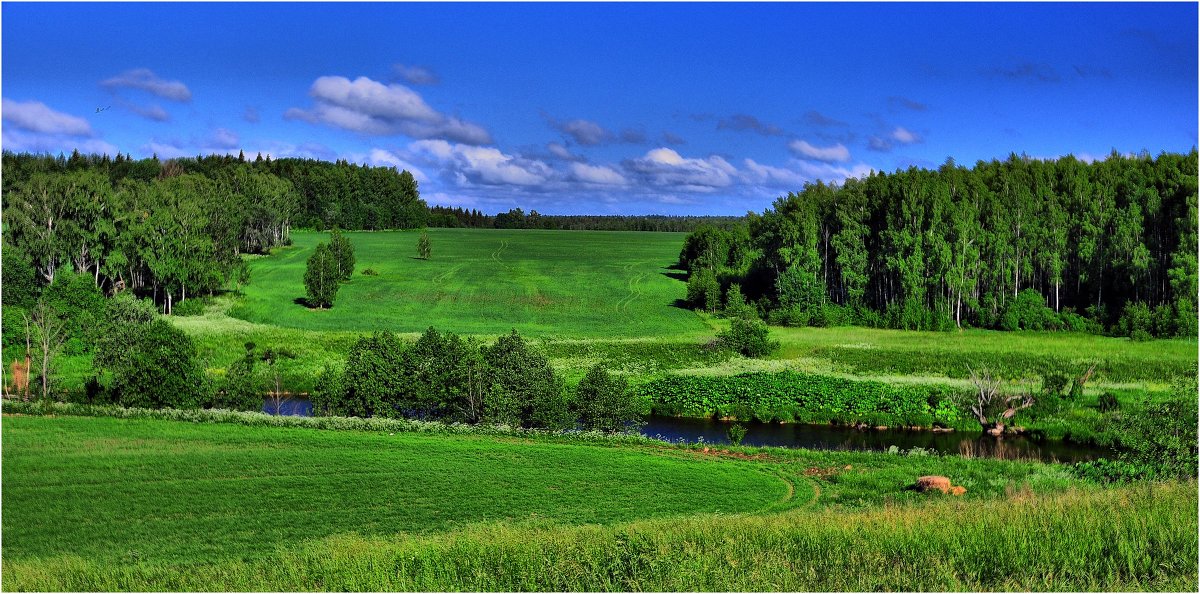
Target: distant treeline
x,y
1013,244
444,216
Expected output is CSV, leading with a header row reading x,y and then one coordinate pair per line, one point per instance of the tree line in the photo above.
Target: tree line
x,y
517,218
1014,244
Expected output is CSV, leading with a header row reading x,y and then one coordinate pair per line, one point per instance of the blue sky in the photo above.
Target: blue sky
x,y
604,108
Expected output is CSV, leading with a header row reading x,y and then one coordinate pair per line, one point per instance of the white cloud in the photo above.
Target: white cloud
x,y
370,107
837,153
597,174
379,156
561,152
34,116
150,112
904,136
484,165
766,175
665,167
829,173
145,80
22,141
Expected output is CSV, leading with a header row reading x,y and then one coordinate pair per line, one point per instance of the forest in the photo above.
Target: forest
x,y
1016,244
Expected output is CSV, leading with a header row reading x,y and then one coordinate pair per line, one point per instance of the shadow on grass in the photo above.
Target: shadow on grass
x,y
679,276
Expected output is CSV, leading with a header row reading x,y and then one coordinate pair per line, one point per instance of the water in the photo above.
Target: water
x,y
825,437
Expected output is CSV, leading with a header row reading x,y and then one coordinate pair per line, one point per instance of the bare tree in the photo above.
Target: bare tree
x,y
990,404
276,396
50,332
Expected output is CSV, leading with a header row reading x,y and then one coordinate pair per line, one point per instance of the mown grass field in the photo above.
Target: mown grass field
x,y
112,504
484,281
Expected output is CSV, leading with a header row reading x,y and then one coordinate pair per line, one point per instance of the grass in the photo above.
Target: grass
x,y
118,504
566,284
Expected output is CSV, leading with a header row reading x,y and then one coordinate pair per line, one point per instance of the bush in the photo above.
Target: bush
x,y
81,304
1162,436
604,403
161,370
703,291
736,433
748,337
736,306
804,397
189,307
370,272
374,378
1136,321
424,249
1028,311
243,387
1103,470
1108,402
528,391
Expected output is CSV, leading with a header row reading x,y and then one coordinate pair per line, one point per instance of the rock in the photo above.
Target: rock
x,y
958,490
933,482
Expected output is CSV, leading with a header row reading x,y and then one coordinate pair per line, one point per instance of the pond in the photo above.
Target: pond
x,y
825,437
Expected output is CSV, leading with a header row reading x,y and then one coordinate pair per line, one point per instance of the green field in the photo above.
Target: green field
x,y
112,504
481,281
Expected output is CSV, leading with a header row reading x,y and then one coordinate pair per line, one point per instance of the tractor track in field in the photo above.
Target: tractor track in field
x,y
634,285
499,250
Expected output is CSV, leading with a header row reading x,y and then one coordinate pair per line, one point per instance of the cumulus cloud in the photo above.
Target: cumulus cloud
x,y
414,75
379,156
471,165
767,175
665,167
830,173
150,112
35,116
597,174
837,153
747,123
144,79
251,115
370,107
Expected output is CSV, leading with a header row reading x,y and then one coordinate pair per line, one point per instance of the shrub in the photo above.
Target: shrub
x,y
1162,435
1136,321
328,392
243,388
604,403
528,391
370,272
189,307
81,304
160,370
703,291
374,377
748,337
1108,402
1103,470
423,247
736,433
736,306
1028,311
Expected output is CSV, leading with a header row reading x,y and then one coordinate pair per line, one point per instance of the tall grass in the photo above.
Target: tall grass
x,y
1139,538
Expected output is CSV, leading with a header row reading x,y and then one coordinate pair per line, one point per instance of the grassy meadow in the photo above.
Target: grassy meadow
x,y
579,284
167,505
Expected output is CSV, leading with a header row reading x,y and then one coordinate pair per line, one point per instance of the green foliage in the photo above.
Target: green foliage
x,y
192,306
423,246
749,337
1028,312
1104,470
328,391
703,290
604,402
370,272
321,277
244,386
161,370
807,398
374,378
736,433
19,283
343,254
1162,436
78,301
736,306
1136,321
1107,402
529,392
799,292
